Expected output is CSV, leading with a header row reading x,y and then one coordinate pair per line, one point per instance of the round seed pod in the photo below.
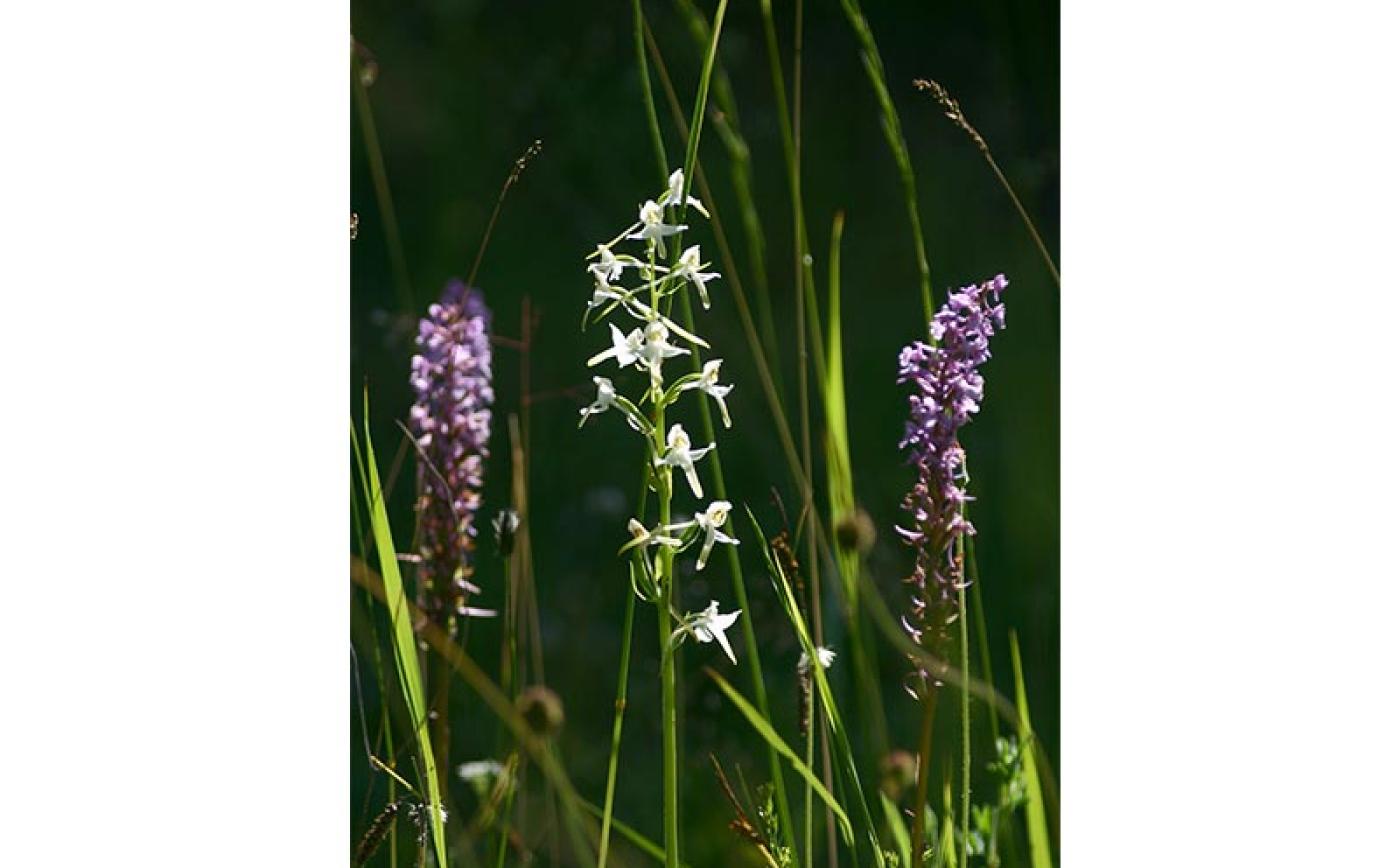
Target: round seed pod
x,y
855,531
542,709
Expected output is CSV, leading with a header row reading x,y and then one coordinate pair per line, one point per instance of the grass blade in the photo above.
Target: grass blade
x,y
405,649
898,830
1036,827
775,741
894,134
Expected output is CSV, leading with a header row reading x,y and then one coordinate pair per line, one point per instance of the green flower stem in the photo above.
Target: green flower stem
x,y
966,711
620,707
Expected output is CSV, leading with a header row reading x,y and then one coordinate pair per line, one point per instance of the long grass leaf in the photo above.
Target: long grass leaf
x,y
1036,827
899,832
405,649
894,134
775,741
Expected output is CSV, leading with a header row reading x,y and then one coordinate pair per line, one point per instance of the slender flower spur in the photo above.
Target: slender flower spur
x,y
451,423
948,391
708,383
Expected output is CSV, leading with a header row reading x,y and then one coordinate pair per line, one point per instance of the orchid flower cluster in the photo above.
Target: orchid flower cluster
x,y
637,290
947,393
451,424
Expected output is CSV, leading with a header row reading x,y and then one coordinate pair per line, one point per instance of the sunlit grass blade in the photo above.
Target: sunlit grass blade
x,y
1036,828
405,649
775,741
899,832
842,743
894,134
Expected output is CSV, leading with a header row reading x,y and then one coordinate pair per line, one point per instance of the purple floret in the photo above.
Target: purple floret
x,y
451,421
947,394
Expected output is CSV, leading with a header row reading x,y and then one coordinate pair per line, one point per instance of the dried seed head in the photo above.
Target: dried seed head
x,y
855,531
898,772
542,709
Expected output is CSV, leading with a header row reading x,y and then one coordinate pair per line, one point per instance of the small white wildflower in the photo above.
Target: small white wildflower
x,y
627,349
709,626
479,770
825,656
654,226
679,454
709,522
689,269
710,385
675,192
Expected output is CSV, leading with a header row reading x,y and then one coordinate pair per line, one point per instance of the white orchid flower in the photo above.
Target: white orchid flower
x,y
710,385
709,523
825,656
627,349
656,348
654,229
679,454
608,267
709,626
675,193
607,398
643,537
689,269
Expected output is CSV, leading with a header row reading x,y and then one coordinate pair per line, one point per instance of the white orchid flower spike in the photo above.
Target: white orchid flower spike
x,y
680,455
675,193
709,523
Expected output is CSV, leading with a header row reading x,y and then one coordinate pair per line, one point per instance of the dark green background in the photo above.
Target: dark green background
x,y
463,87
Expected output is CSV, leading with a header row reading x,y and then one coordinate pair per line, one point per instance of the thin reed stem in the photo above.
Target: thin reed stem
x,y
966,712
392,239
619,708
984,650
953,112
916,845
894,135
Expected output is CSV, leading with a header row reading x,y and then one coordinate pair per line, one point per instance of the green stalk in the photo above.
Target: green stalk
x,y
916,847
983,647
807,791
381,191
875,71
966,711
619,707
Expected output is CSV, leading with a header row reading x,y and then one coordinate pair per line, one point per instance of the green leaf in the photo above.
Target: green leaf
x,y
775,741
1036,827
898,831
405,649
